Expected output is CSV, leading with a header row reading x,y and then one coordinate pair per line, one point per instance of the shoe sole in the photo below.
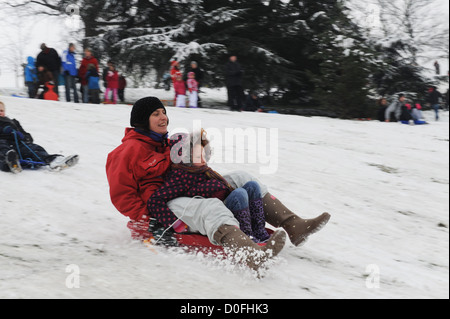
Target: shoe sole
x,y
72,160
68,162
278,238
13,163
302,239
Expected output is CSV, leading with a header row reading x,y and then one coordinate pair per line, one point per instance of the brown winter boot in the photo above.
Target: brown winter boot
x,y
298,229
253,254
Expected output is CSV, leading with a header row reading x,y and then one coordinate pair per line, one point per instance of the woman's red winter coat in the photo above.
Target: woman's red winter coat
x,y
135,170
82,71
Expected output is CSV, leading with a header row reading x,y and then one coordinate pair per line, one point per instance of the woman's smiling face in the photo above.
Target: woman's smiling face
x,y
159,121
2,110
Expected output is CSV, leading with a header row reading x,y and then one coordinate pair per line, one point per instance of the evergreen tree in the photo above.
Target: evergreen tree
x,y
397,73
344,63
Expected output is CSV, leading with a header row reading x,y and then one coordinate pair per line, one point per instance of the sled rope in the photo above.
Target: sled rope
x,y
182,215
30,160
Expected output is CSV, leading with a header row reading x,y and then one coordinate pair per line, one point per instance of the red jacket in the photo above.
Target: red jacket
x,y
180,87
82,71
112,79
135,170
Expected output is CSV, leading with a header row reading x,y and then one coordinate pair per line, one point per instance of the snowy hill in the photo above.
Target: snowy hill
x,y
385,185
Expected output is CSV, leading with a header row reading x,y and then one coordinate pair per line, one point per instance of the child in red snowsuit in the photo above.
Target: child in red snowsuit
x,y
112,79
180,91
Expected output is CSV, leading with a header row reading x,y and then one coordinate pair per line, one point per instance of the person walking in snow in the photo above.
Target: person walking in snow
x,y
50,59
234,74
433,98
18,150
136,170
70,70
437,68
82,71
30,77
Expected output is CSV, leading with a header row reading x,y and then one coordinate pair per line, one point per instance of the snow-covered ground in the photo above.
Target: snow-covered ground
x,y
386,186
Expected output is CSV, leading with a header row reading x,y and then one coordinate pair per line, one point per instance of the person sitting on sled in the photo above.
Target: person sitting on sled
x,y
136,169
191,176
46,83
17,149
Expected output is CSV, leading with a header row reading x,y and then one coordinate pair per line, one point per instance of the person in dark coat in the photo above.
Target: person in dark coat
x,y
433,98
253,103
122,86
382,106
16,144
233,75
50,59
46,84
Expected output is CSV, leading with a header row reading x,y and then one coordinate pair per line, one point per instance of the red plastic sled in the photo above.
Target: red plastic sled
x,y
139,232
195,241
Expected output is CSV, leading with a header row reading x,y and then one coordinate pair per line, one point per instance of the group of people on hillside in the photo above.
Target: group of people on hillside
x,y
401,111
43,75
187,86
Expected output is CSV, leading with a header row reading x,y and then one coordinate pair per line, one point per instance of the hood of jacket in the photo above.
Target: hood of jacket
x,y
30,60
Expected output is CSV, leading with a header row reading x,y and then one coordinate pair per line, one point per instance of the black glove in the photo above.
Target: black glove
x,y
9,130
161,235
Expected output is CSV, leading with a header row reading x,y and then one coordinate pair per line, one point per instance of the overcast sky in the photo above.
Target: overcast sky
x,y
29,32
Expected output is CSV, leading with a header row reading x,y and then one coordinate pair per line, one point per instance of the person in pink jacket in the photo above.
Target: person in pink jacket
x,y
193,90
112,79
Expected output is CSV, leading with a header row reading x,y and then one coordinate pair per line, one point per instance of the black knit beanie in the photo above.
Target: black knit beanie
x,y
142,110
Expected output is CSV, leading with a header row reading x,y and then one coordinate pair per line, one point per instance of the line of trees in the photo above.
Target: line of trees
x,y
303,53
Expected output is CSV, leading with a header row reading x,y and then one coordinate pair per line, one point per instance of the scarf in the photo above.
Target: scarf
x,y
162,138
205,169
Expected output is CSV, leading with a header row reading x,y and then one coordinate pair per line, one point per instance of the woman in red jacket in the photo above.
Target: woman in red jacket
x,y
135,169
82,72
